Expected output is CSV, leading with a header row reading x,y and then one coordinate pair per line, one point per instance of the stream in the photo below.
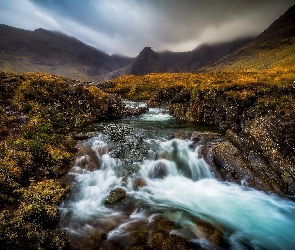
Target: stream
x,y
134,186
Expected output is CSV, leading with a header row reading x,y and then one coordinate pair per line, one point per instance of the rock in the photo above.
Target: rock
x,y
165,241
141,182
159,171
270,137
88,158
181,97
260,125
138,182
212,233
164,95
204,137
234,139
124,181
115,195
232,166
181,135
84,135
116,107
247,169
135,111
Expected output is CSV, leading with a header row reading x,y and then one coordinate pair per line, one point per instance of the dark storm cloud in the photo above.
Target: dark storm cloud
x,y
126,26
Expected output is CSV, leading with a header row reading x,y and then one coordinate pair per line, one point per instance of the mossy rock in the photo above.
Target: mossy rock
x,y
115,195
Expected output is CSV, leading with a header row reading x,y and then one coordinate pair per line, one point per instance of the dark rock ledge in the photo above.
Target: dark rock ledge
x,y
258,150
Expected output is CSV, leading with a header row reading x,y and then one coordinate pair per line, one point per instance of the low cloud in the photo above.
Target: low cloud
x,y
125,27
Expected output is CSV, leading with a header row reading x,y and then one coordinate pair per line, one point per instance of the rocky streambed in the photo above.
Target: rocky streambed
x,y
156,182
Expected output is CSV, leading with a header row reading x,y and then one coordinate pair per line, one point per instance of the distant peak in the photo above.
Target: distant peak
x,y
147,48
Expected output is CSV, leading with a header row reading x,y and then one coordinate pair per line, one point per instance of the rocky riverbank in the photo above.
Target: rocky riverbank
x,y
260,137
256,109
39,114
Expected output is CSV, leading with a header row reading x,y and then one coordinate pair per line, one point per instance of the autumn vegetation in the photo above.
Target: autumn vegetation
x,y
38,114
236,84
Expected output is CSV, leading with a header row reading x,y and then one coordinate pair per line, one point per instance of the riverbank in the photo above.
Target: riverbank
x,y
256,109
38,116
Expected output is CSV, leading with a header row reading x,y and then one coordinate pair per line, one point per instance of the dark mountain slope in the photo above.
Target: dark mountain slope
x,y
55,53
149,61
272,49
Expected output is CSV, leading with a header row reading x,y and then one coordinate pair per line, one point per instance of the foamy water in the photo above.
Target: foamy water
x,y
180,186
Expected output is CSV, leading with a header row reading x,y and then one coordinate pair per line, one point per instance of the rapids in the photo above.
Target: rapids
x,y
169,189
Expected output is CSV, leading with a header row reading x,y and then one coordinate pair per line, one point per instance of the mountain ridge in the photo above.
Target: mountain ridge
x,y
273,48
149,61
55,53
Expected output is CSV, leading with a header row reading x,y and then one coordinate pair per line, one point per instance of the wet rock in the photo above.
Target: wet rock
x,y
124,181
159,170
135,111
234,139
141,182
204,137
197,136
233,167
138,182
115,195
211,233
160,240
182,97
247,169
181,135
84,135
88,158
129,145
117,132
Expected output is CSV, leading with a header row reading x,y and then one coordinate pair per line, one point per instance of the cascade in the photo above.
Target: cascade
x,y
161,186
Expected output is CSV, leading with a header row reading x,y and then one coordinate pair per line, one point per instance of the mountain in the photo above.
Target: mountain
x,y
149,61
274,48
53,52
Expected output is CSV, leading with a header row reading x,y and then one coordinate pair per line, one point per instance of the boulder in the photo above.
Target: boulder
x,y
115,195
181,97
159,171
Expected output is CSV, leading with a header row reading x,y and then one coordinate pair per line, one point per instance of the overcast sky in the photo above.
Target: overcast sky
x,y
127,26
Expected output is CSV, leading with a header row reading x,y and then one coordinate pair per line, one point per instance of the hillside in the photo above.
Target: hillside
x,y
272,49
53,52
149,61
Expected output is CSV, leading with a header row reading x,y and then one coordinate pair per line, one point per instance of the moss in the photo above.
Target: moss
x,y
36,147
243,85
30,225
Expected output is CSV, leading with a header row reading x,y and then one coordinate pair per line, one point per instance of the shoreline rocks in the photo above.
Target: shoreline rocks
x,y
260,135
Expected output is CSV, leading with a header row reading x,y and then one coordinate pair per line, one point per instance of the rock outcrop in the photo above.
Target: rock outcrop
x,y
259,148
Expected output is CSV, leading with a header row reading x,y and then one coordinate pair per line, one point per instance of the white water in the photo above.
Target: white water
x,y
156,114
186,188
